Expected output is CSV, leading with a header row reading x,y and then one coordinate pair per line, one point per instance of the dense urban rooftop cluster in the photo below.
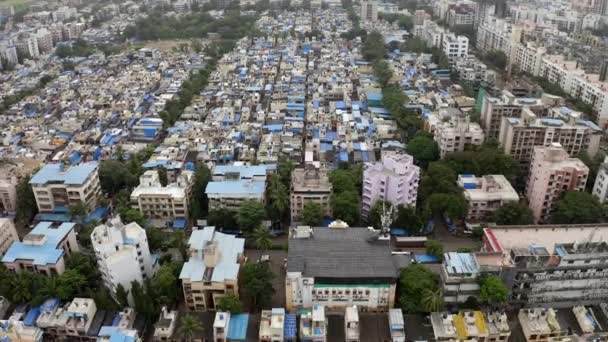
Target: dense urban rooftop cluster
x,y
314,170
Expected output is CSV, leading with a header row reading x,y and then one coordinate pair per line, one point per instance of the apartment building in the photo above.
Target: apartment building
x,y
529,57
8,195
8,235
454,131
460,15
600,187
486,194
493,109
394,179
43,250
556,265
72,322
314,251
213,268
552,172
231,185
309,184
160,204
455,47
122,254
496,34
519,136
57,186
369,11
431,33
470,326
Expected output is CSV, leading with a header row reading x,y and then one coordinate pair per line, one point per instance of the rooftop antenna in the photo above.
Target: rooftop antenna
x,y
387,217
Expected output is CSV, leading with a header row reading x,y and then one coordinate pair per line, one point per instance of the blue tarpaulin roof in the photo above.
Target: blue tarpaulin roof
x,y
97,214
289,328
179,223
343,156
31,317
426,258
237,328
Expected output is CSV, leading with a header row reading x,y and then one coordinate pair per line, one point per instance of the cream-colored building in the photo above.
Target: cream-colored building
x,y
43,250
486,194
213,268
309,185
8,235
519,136
552,172
58,186
163,204
454,131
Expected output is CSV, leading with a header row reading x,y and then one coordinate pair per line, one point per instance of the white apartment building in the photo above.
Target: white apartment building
x,y
59,186
163,204
8,195
122,254
369,10
431,33
552,172
495,34
519,136
529,57
600,187
8,235
455,47
486,194
453,131
45,40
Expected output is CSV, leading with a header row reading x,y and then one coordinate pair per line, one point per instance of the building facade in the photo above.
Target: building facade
x,y
454,132
486,194
231,185
455,47
600,187
57,186
552,172
122,254
8,235
394,179
309,185
163,204
369,11
43,250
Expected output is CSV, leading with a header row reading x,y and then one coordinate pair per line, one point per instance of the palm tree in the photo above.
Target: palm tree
x,y
21,285
262,238
432,300
189,327
279,196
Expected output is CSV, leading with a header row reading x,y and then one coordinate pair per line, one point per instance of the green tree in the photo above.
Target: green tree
x,y
122,296
434,248
129,215
86,266
230,303
221,218
424,149
70,284
578,207
257,283
178,241
513,213
78,210
199,206
407,217
312,214
261,238
26,202
189,327
115,176
278,195
414,280
284,170
432,300
156,238
492,290
250,215
162,176
166,284
21,287
345,206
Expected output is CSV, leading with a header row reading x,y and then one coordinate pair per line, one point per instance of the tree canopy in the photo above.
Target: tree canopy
x,y
513,213
312,214
492,290
414,281
424,149
578,207
250,215
257,283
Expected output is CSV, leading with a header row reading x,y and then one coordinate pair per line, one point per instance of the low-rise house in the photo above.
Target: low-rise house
x,y
313,324
351,324
231,185
43,250
213,268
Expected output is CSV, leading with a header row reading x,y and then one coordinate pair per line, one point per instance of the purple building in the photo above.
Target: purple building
x,y
394,180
